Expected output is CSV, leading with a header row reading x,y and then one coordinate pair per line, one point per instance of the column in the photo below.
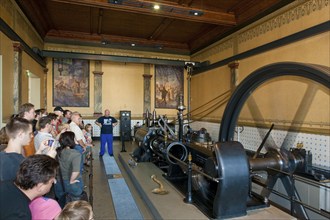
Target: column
x,y
234,74
98,88
44,104
147,88
17,91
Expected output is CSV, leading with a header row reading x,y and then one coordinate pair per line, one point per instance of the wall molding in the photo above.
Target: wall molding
x,y
293,12
283,19
315,30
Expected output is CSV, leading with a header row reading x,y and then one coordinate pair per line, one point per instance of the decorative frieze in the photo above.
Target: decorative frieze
x,y
283,19
220,47
294,11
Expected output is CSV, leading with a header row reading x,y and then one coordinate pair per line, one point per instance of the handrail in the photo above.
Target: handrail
x,y
292,199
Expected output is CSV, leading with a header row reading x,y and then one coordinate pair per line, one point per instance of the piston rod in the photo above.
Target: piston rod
x,y
194,169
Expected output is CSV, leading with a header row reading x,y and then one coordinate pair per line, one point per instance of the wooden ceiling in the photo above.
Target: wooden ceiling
x,y
179,26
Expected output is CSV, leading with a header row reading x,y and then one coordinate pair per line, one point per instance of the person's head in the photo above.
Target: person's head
x,y
67,139
76,118
88,128
54,118
64,127
19,129
67,114
37,173
107,112
43,112
81,123
38,114
3,136
58,110
44,124
76,210
27,111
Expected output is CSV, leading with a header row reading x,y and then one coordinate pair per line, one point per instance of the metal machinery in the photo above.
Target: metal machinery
x,y
217,176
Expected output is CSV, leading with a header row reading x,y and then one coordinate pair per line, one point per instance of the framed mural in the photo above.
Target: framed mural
x,y
168,86
70,82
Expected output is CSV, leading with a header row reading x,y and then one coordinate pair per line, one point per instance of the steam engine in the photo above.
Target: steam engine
x,y
222,173
217,176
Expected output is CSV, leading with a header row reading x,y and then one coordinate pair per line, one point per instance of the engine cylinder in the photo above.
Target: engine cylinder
x,y
168,149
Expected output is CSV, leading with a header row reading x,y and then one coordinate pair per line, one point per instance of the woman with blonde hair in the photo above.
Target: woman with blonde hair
x,y
76,210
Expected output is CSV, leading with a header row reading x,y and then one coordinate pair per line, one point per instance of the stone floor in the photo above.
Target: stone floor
x,y
101,197
102,200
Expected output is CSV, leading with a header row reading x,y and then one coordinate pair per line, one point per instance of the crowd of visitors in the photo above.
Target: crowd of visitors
x,y
40,153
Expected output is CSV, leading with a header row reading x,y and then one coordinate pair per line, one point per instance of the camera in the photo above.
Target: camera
x,y
50,142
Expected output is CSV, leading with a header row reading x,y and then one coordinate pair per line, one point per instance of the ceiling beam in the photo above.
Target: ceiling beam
x,y
99,24
113,39
166,22
38,18
126,59
177,11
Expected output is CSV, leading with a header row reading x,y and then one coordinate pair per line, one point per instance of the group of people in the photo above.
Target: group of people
x,y
43,152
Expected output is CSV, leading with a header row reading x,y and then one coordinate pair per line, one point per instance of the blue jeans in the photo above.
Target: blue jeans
x,y
74,189
80,149
106,139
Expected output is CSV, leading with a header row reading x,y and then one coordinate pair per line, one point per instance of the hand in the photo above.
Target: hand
x,y
43,145
52,152
74,181
63,130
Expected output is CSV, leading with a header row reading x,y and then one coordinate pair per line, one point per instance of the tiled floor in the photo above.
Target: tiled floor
x,y
102,201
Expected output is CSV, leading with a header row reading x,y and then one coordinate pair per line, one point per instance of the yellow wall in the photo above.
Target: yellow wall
x,y
122,89
7,52
123,82
7,77
12,15
28,64
15,18
282,100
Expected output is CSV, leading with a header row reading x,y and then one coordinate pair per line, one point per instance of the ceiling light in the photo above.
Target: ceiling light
x,y
196,13
115,1
156,7
133,45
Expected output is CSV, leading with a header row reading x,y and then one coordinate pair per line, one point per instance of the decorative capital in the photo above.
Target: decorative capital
x,y
98,73
17,46
233,65
147,76
45,70
97,114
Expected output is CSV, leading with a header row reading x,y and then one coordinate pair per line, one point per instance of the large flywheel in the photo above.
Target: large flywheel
x,y
317,73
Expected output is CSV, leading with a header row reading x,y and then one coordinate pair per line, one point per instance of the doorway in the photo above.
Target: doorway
x,y
34,89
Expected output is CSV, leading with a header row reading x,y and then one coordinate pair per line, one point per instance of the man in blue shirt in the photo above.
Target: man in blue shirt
x,y
106,123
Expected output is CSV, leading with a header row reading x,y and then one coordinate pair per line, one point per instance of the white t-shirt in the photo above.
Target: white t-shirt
x,y
40,137
79,135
